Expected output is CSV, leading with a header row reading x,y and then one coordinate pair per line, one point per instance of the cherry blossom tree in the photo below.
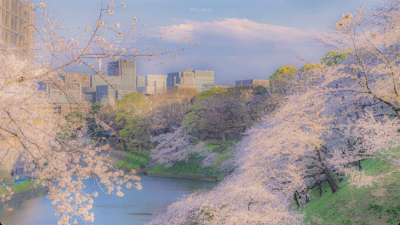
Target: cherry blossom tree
x,y
30,128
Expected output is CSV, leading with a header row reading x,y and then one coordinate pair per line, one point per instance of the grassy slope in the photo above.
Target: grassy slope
x,y
191,167
133,160
19,187
194,165
379,204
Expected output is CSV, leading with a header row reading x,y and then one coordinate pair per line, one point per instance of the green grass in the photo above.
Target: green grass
x,y
218,146
19,187
134,160
377,204
192,167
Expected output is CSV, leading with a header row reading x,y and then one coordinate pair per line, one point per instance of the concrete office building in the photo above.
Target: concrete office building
x,y
155,84
67,99
255,82
124,69
16,18
201,80
82,78
121,80
105,94
70,95
85,82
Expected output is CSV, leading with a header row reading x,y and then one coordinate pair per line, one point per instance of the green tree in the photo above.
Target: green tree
x,y
135,103
308,67
191,120
104,114
211,92
281,78
260,90
132,121
75,121
335,57
136,131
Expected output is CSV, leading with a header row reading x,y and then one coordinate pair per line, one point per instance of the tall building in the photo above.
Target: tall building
x,y
85,82
65,99
155,84
201,80
105,94
255,82
16,21
204,79
71,94
121,80
126,70
82,78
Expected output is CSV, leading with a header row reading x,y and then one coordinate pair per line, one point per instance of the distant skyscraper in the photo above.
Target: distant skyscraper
x,y
202,80
105,94
70,95
85,82
126,70
121,79
16,19
155,84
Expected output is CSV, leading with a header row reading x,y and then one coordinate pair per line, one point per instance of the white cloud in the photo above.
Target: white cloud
x,y
240,29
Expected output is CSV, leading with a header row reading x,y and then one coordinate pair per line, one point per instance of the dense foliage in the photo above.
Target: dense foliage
x,y
50,147
336,115
222,113
280,79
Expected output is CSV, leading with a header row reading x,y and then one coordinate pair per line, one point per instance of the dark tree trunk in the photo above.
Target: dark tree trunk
x,y
319,190
331,180
297,201
358,163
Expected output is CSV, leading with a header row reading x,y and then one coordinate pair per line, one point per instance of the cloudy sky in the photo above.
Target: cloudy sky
x,y
238,39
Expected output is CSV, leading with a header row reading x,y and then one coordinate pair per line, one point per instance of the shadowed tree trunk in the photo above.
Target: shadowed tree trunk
x,y
319,190
295,199
358,164
331,180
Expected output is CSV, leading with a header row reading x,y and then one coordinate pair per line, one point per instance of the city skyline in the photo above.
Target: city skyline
x,y
227,31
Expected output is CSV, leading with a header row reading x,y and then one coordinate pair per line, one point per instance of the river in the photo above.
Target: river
x,y
136,207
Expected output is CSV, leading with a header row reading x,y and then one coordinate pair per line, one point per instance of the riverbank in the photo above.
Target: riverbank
x,y
21,189
192,168
182,176
25,193
134,208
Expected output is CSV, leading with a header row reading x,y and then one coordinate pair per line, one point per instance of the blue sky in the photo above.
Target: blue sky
x,y
239,39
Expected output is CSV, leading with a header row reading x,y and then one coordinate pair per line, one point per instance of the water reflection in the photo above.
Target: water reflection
x,y
136,207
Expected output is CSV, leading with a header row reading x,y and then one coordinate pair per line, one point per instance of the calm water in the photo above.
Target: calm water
x,y
136,207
